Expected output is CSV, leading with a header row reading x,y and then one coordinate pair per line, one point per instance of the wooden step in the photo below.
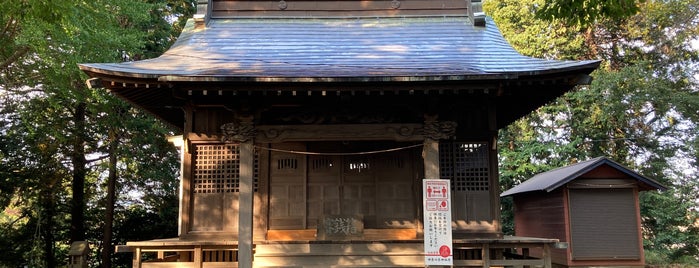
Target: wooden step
x,y
344,254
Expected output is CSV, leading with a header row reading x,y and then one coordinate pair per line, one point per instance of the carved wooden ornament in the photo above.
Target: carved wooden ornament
x,y
439,130
238,132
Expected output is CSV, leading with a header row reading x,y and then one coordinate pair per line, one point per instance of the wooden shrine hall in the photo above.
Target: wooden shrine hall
x,y
308,126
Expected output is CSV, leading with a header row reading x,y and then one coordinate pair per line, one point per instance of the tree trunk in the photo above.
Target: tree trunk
x,y
111,197
46,223
77,223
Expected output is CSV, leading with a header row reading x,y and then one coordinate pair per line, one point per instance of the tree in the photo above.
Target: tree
x,y
587,12
48,155
640,109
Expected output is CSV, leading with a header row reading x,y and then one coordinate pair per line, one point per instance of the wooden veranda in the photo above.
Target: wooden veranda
x,y
509,251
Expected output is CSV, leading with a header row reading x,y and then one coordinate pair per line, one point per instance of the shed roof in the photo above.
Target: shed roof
x,y
552,180
339,50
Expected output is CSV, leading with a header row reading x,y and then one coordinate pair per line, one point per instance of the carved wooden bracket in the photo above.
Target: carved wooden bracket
x,y
439,130
239,131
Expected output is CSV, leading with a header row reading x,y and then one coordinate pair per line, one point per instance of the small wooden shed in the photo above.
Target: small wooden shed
x,y
592,205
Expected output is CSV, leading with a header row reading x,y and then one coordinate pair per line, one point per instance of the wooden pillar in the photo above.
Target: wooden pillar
x,y
430,155
434,131
245,224
494,181
243,131
180,143
186,180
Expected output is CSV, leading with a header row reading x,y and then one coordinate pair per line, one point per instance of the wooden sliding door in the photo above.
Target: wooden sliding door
x,y
380,187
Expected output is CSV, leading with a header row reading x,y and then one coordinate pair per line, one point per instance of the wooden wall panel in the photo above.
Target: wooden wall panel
x,y
395,202
230,212
207,213
358,190
323,187
287,187
542,215
472,206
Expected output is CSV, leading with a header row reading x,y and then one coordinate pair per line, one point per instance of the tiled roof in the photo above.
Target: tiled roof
x,y
339,49
552,180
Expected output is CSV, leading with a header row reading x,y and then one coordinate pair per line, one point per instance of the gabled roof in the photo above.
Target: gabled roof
x,y
552,180
257,56
339,50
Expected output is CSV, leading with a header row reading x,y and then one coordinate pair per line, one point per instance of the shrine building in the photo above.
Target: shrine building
x,y
296,114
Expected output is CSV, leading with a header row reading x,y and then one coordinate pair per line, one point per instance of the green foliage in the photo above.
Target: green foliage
x,y
41,90
586,12
640,110
137,223
536,38
672,232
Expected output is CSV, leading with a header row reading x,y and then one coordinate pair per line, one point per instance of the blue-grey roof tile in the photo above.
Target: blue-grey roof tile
x,y
339,48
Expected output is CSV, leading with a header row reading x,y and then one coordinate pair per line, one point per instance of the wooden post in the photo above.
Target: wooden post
x,y
434,131
430,154
137,258
547,255
485,254
198,258
180,143
186,176
243,131
247,162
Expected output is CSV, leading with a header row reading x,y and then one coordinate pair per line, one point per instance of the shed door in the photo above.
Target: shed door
x,y
604,224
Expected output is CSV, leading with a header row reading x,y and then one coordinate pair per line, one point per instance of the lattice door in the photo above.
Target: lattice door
x,y
467,166
216,184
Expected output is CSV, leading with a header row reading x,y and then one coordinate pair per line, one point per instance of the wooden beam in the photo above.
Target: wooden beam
x,y
397,132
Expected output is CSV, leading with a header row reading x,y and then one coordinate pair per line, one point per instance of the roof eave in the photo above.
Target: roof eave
x,y
336,79
100,70
589,167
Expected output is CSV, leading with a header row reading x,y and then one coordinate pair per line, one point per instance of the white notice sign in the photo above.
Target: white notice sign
x,y
437,219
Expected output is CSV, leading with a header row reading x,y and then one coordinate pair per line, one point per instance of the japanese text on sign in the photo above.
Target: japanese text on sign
x,y
437,219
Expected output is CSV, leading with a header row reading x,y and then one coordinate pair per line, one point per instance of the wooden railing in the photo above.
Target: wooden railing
x,y
510,251
182,253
